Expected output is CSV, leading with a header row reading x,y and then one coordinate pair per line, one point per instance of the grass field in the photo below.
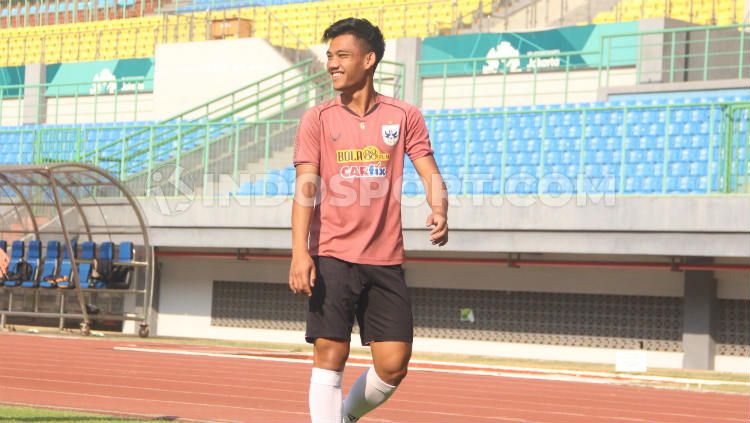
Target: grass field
x,y
40,415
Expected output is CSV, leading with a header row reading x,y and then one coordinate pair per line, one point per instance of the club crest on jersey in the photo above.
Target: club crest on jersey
x,y
390,134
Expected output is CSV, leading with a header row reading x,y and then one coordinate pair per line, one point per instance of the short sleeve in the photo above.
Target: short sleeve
x,y
417,138
307,140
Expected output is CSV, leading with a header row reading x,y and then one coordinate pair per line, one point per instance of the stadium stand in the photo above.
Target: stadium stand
x,y
291,25
203,5
412,18
547,149
717,12
103,40
45,12
17,142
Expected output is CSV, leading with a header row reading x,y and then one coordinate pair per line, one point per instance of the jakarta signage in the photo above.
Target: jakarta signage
x,y
511,52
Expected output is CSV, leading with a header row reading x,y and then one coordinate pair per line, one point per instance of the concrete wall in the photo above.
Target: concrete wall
x,y
33,99
190,74
10,112
186,298
693,59
732,285
538,279
519,89
100,109
186,289
711,226
185,293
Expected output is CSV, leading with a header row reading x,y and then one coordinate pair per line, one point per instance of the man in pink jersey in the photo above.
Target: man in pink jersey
x,y
346,224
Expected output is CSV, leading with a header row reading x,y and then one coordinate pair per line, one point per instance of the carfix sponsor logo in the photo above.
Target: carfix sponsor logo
x,y
366,171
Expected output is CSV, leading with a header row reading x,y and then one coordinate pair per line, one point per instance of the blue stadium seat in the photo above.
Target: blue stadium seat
x,y
33,257
17,250
50,268
106,254
85,265
64,273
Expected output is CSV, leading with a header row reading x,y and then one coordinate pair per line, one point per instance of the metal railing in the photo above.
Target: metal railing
x,y
549,77
697,148
117,100
222,135
602,149
530,79
274,95
737,147
682,54
560,161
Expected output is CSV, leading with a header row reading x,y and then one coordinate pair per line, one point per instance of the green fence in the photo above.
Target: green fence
x,y
463,83
650,150
243,129
736,169
659,142
117,100
682,54
505,78
566,150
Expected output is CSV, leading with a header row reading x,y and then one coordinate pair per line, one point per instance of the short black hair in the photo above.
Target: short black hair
x,y
363,30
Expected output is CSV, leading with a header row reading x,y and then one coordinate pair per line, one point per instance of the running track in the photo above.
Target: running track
x,y
90,374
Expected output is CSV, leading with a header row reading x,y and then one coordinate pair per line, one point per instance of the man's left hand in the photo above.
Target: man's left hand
x,y
439,233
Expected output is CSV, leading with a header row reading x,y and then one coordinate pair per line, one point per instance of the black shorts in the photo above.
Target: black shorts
x,y
377,295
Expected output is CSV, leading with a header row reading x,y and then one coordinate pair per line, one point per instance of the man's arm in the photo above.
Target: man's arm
x,y
437,198
302,270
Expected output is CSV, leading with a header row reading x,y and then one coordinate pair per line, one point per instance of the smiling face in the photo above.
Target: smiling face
x,y
350,63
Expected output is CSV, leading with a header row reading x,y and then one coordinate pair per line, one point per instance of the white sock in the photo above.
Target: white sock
x,y
325,396
368,392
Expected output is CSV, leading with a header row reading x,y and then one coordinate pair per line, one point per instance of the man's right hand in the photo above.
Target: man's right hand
x,y
302,274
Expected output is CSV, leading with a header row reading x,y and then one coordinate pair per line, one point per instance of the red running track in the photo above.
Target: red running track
x,y
90,374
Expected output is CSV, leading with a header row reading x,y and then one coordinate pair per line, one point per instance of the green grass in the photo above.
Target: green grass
x,y
29,415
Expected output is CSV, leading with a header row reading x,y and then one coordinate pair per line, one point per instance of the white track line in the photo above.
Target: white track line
x,y
497,371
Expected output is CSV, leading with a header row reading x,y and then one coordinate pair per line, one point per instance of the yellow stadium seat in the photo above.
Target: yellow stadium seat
x,y
696,11
139,36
